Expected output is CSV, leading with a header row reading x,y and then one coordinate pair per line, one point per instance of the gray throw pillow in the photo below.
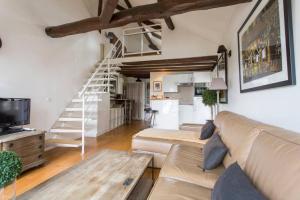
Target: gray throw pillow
x,y
207,130
234,184
214,152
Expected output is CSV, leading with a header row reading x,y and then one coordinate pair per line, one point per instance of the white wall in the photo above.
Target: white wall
x,y
278,106
49,71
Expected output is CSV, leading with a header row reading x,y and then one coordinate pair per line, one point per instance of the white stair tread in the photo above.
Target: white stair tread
x,y
111,69
64,142
88,100
65,130
95,92
105,73
73,109
100,85
69,119
104,79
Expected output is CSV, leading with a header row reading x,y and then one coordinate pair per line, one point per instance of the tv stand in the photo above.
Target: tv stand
x,y
5,131
28,145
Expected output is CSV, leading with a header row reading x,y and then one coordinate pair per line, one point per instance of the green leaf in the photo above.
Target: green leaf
x,y
10,167
209,97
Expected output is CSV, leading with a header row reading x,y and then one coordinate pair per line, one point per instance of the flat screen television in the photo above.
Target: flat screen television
x,y
13,112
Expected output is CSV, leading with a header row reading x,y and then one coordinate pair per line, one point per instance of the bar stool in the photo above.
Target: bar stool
x,y
152,117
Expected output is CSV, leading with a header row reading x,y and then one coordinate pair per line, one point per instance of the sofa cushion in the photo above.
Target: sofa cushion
x,y
235,185
214,152
172,189
238,134
171,136
191,127
207,130
185,163
273,164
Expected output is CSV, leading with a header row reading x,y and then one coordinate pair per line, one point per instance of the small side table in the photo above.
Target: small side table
x,y
29,145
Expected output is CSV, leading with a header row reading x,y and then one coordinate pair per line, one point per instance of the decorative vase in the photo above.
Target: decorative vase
x,y
8,192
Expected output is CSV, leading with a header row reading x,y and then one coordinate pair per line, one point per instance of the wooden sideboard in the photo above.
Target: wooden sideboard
x,y
29,145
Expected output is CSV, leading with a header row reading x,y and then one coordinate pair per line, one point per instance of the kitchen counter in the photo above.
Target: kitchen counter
x,y
171,114
168,113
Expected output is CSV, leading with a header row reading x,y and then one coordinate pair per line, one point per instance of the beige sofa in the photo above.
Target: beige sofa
x,y
268,155
159,142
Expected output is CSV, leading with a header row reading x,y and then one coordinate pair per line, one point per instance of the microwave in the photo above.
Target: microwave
x,y
199,89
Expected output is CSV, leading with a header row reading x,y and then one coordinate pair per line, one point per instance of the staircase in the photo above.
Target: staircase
x,y
80,116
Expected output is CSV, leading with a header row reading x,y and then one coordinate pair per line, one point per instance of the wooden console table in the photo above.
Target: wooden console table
x,y
29,145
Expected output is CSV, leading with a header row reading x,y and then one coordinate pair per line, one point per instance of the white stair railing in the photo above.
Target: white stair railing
x,y
104,83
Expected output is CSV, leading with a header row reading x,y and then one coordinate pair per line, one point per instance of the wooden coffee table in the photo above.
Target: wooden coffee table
x,y
109,175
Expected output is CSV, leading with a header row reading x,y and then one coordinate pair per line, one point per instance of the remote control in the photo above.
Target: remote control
x,y
29,129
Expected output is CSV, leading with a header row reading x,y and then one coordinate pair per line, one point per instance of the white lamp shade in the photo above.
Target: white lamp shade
x,y
218,84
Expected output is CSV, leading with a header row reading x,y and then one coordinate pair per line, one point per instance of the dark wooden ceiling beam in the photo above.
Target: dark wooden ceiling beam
x,y
151,23
204,59
165,70
170,70
108,7
162,9
147,22
171,65
169,23
120,8
100,5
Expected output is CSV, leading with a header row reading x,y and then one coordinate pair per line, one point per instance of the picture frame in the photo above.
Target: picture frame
x,y
266,47
157,86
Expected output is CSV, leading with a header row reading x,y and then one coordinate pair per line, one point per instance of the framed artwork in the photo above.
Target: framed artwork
x,y
157,86
266,51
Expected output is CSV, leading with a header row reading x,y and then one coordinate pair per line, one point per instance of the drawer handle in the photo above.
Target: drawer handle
x,y
41,137
40,156
41,146
11,145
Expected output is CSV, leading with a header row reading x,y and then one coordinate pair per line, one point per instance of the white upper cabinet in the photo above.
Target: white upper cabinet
x,y
202,77
171,82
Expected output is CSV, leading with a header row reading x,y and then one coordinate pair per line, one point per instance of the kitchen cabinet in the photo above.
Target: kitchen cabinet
x,y
202,77
197,113
171,82
201,112
168,114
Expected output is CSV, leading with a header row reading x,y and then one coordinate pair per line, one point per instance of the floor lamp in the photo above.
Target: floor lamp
x,y
218,84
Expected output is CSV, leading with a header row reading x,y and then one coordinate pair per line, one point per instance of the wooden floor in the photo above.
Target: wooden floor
x,y
60,159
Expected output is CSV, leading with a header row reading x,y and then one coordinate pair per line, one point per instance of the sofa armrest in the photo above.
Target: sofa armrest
x,y
191,127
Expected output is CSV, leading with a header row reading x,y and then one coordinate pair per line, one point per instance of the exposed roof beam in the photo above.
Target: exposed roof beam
x,y
162,9
100,4
147,22
108,9
169,23
168,65
151,23
206,68
204,59
119,7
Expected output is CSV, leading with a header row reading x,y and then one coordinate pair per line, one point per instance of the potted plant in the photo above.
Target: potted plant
x,y
210,99
10,168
